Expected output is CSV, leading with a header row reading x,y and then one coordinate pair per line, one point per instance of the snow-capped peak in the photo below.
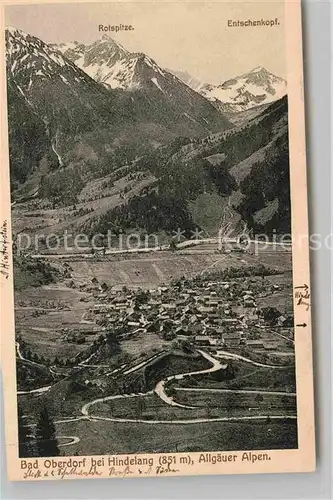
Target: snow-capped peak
x,y
17,32
109,63
29,60
246,91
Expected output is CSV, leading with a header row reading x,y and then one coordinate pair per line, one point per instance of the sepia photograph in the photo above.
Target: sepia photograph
x,y
152,233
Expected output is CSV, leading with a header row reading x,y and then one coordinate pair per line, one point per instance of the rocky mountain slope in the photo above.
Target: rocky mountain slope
x,y
102,60
234,180
71,119
141,124
246,92
110,64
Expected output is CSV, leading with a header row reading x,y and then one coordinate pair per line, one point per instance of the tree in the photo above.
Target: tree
x,y
208,411
230,371
230,402
270,314
287,402
173,245
47,443
141,297
113,343
25,441
140,408
259,398
171,392
186,346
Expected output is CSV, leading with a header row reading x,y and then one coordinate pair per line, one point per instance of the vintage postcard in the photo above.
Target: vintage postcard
x,y
155,294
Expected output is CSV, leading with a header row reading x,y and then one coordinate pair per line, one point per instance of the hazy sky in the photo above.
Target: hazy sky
x,y
189,36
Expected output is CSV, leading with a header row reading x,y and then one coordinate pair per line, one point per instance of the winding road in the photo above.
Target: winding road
x,y
230,355
160,387
160,391
85,364
193,420
40,390
235,391
72,440
35,391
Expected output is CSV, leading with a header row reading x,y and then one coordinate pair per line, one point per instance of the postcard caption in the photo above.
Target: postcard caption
x,y
130,465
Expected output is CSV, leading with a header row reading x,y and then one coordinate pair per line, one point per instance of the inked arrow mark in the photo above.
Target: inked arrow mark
x,y
303,325
302,286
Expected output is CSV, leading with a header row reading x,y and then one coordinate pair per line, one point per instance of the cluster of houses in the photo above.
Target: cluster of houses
x,y
203,312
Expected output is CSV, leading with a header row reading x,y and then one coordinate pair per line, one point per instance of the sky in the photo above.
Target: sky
x,y
188,36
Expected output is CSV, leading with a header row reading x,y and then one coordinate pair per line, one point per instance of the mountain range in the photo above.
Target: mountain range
x,y
73,112
256,88
82,112
109,63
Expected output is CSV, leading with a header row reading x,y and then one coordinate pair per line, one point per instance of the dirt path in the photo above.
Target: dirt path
x,y
72,440
236,391
230,355
160,391
160,387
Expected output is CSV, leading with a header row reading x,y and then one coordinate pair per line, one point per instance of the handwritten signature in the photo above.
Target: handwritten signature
x,y
302,296
4,254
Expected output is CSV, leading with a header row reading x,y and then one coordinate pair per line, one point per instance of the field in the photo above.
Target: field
x,y
104,438
206,405
95,200
146,343
43,315
148,271
113,384
237,403
247,377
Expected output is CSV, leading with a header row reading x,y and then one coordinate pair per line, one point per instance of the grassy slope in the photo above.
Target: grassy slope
x,y
248,164
200,180
33,273
117,438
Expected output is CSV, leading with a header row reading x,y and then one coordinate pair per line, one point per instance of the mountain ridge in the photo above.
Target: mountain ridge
x,y
110,64
236,180
75,111
247,91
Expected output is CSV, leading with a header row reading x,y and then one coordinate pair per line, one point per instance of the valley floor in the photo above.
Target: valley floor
x,y
166,387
